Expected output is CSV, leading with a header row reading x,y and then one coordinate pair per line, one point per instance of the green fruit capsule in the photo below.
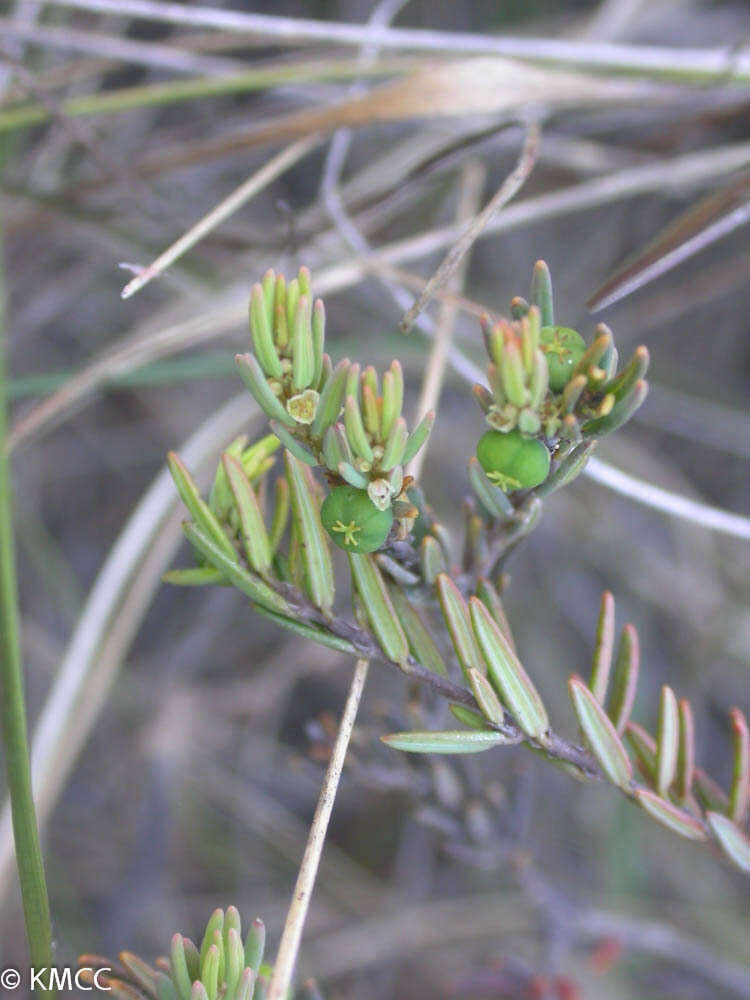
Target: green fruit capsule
x,y
353,521
563,348
512,461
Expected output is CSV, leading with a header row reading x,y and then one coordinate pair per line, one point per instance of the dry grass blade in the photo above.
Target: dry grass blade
x,y
714,216
695,63
508,189
454,88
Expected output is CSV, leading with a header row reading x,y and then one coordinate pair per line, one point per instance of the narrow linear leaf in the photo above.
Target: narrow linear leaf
x,y
418,436
138,971
686,753
487,700
255,944
432,561
261,332
355,430
569,469
215,923
198,576
667,740
450,742
178,966
253,377
601,735
710,795
252,586
379,609
312,535
644,747
489,596
625,679
635,369
603,648
331,399
336,448
292,444
421,643
254,534
541,293
395,447
733,841
313,632
621,412
347,472
507,674
458,620
739,795
674,818
470,718
491,497
246,986
303,350
199,510
164,989
393,397
220,498
280,517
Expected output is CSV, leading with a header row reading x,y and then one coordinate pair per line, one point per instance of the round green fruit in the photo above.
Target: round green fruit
x,y
563,348
353,521
512,461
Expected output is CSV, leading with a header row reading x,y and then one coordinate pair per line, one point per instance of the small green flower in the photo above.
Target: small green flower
x,y
353,521
563,348
512,461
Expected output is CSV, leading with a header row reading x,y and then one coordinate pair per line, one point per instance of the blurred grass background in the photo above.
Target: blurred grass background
x,y
198,780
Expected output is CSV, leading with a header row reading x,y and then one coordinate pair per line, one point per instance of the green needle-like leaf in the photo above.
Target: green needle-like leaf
x,y
601,735
303,349
635,369
292,445
215,923
569,469
319,339
179,968
506,673
421,643
357,479
262,334
620,413
395,446
199,510
686,754
644,747
379,609
312,632
470,718
603,647
734,842
393,398
489,596
210,972
450,742
541,293
739,795
255,944
418,437
165,989
458,620
234,955
138,970
196,576
494,501
671,816
667,740
625,679
254,534
315,549
253,377
355,430
252,586
487,700
280,517
329,404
